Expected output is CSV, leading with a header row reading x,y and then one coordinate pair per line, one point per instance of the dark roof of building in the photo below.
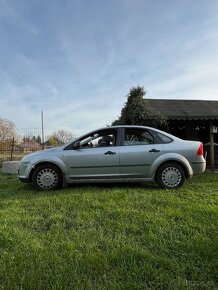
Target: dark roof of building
x,y
183,109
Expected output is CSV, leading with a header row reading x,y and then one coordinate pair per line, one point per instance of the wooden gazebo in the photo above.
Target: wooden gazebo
x,y
190,119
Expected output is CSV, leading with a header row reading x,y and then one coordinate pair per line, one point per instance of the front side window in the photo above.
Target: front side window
x,y
102,138
137,137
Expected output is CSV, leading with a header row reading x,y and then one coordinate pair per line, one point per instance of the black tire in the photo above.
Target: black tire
x,y
47,177
170,176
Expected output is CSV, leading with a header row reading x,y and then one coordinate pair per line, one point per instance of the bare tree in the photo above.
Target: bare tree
x,y
7,129
61,136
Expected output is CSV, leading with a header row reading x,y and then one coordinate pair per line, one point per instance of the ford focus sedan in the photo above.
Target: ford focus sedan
x,y
116,154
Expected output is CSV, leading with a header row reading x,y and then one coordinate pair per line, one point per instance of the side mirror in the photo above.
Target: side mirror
x,y
76,145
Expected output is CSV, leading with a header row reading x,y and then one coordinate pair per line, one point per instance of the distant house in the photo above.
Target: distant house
x,y
188,119
28,146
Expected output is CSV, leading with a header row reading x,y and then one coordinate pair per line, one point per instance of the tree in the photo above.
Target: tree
x,y
53,141
135,111
39,139
7,129
60,137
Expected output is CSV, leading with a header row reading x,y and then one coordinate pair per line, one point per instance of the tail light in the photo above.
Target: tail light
x,y
200,151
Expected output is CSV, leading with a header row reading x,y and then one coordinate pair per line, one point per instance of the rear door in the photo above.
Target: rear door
x,y
138,152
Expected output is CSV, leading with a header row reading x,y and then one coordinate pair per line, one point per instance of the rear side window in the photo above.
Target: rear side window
x,y
163,138
137,137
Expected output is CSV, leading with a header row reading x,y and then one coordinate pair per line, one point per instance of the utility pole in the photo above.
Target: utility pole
x,y
212,163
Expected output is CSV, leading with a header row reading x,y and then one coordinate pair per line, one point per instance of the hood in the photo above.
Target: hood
x,y
28,157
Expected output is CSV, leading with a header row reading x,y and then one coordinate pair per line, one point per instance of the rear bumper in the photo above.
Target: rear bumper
x,y
198,167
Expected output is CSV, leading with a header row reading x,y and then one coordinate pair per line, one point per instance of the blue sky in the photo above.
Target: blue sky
x,y
77,59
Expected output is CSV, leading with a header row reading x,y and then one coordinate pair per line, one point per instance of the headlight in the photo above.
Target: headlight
x,y
26,162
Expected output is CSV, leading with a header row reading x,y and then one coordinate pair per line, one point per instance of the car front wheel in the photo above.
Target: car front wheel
x,y
47,177
170,176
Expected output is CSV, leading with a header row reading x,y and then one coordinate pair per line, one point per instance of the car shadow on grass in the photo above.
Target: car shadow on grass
x,y
12,188
114,185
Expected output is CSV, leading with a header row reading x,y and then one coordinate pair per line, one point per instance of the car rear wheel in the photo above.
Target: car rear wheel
x,y
170,176
47,177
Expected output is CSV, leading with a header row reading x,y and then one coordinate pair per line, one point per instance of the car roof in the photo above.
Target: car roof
x,y
123,126
134,126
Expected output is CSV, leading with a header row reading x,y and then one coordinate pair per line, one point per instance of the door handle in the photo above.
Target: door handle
x,y
109,153
154,151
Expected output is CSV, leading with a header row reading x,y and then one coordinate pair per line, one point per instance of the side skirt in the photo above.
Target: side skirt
x,y
107,180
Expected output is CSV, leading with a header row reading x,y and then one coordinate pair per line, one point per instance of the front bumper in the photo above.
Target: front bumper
x,y
24,171
23,179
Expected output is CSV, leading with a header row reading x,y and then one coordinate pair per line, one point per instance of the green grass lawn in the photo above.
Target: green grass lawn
x,y
118,236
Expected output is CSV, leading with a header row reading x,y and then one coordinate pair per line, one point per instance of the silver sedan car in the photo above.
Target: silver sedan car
x,y
118,153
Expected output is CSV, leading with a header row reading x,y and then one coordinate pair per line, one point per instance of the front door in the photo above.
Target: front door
x,y
96,158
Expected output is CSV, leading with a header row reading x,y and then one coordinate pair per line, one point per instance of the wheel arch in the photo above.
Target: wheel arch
x,y
175,161
44,163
